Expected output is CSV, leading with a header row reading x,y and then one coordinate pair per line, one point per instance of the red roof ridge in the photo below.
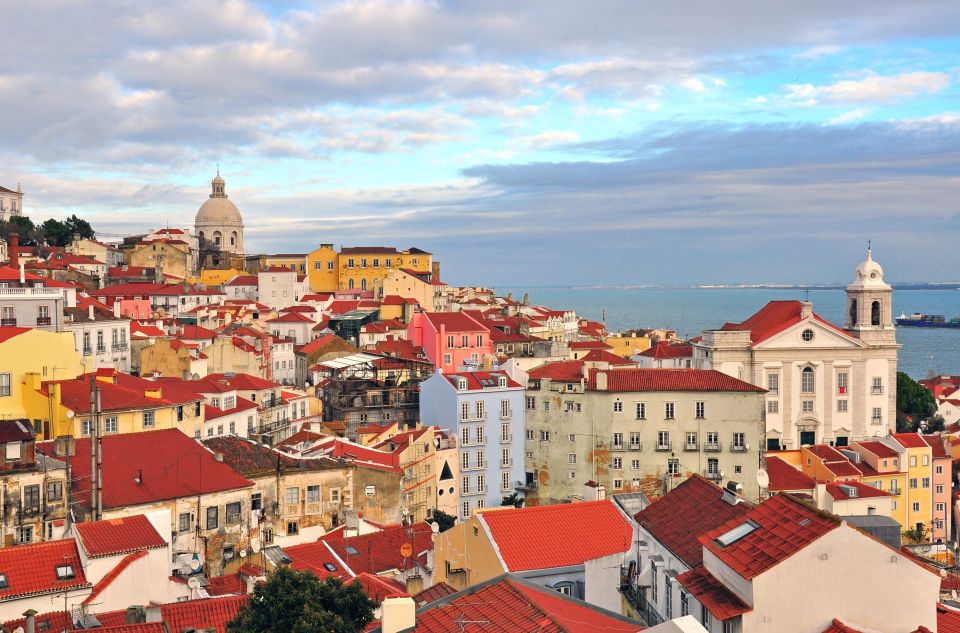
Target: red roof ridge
x,y
113,574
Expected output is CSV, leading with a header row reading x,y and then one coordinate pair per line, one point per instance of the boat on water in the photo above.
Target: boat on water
x,y
927,320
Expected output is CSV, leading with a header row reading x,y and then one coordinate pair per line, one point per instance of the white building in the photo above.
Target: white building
x,y
11,203
102,336
825,384
281,287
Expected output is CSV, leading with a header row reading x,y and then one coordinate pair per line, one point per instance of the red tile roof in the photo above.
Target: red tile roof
x,y
7,333
118,536
561,371
603,356
170,463
229,585
380,551
476,379
664,349
291,317
379,587
864,491
948,620
316,557
836,626
542,537
785,526
454,322
879,449
679,517
130,392
936,443
196,333
786,478
434,593
638,379
202,614
843,469
245,382
509,604
773,318
722,603
32,569
589,345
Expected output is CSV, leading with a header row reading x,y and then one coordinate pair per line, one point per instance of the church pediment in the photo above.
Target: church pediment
x,y
811,333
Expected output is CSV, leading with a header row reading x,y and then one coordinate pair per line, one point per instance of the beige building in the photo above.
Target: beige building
x,y
824,383
633,429
172,256
429,292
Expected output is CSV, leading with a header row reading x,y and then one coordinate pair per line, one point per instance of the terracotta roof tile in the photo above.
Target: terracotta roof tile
x,y
639,379
773,318
434,593
32,569
454,322
879,449
836,489
722,603
118,536
542,537
786,478
691,509
380,551
784,527
561,371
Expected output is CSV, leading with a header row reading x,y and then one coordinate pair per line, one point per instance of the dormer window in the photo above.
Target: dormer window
x,y
502,381
65,572
462,384
3,582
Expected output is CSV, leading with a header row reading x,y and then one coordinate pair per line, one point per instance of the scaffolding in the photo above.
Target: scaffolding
x,y
363,389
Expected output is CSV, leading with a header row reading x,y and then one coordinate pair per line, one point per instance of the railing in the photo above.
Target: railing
x,y
6,290
713,475
691,446
119,347
41,321
617,447
738,448
664,446
876,391
712,447
506,440
506,462
525,487
87,351
636,446
8,322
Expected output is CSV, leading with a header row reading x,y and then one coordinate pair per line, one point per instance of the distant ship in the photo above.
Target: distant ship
x,y
927,320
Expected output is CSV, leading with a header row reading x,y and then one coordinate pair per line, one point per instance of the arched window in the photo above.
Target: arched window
x,y
217,238
853,312
350,283
806,380
233,239
875,313
363,284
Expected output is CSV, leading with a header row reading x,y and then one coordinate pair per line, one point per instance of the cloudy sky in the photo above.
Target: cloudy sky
x,y
537,142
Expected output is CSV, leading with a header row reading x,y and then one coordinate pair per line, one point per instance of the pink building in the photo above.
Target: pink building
x,y
942,468
451,340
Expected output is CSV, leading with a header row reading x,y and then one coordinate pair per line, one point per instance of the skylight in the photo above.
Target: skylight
x,y
737,533
330,566
351,550
65,572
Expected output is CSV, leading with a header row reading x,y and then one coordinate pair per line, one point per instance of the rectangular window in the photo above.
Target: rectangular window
x,y
635,441
232,514
635,464
31,499
148,419
701,409
877,416
481,483
110,424
544,436
668,598
481,459
641,410
481,412
807,406
54,491
529,434
926,482
184,523
713,441
505,482
668,409
292,496
531,403
465,509
571,458
806,380
464,410
618,441
916,506
739,442
213,518
841,406
618,463
926,460
876,387
663,440
713,468
691,444
13,451
913,482
24,535
465,460
465,436
504,409
939,489
5,384
465,484
546,405
842,380
505,435
773,406
256,501
480,438
505,457
673,466
617,406
773,383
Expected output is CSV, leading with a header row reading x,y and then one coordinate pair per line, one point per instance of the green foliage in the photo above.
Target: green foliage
x,y
298,602
513,500
51,232
444,520
916,534
915,403
935,424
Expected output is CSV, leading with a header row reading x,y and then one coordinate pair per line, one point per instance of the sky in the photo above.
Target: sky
x,y
543,142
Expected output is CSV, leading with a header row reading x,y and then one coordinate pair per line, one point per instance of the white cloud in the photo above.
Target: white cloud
x,y
871,89
816,52
549,139
848,117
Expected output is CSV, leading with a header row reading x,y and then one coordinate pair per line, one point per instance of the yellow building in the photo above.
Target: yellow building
x,y
917,496
128,404
215,277
626,344
361,267
173,256
293,261
882,468
26,353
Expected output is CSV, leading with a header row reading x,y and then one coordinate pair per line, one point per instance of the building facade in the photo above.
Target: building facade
x,y
218,223
361,267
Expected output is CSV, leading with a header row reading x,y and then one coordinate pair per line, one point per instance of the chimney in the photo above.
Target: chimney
x,y
116,308
31,623
398,614
806,309
14,249
90,314
154,614
23,275
414,585
135,615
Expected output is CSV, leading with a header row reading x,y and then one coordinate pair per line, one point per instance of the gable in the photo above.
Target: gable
x,y
825,336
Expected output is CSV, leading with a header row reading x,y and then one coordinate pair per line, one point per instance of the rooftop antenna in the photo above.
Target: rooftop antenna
x,y
218,168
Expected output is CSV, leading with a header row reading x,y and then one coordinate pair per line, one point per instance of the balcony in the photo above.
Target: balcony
x,y
87,351
664,446
636,446
691,446
739,448
101,349
617,447
8,322
29,292
506,439
43,320
712,447
712,475
525,486
119,347
876,391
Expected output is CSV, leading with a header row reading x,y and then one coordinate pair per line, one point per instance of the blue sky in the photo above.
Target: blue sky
x,y
540,143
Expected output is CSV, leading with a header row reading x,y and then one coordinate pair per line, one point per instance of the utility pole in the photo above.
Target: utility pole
x,y
96,457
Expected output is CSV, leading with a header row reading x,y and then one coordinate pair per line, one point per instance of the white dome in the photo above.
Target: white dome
x,y
218,220
869,274
218,212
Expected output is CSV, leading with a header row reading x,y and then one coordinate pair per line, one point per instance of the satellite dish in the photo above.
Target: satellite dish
x,y
435,527
763,478
406,550
194,583
255,545
70,414
195,564
243,553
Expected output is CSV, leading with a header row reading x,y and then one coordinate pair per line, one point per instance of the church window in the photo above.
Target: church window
x,y
806,380
853,312
875,313
807,335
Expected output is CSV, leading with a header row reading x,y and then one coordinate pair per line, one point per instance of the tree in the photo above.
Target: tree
x,y
915,403
935,424
298,602
444,520
917,534
23,227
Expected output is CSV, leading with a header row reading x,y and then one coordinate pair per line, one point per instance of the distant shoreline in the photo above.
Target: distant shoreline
x,y
947,285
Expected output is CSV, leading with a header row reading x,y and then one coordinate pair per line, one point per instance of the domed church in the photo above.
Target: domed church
x,y
218,221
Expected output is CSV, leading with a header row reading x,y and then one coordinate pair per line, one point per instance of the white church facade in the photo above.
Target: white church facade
x,y
824,383
218,222
11,203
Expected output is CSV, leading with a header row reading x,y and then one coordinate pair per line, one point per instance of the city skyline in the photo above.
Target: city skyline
x,y
549,144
